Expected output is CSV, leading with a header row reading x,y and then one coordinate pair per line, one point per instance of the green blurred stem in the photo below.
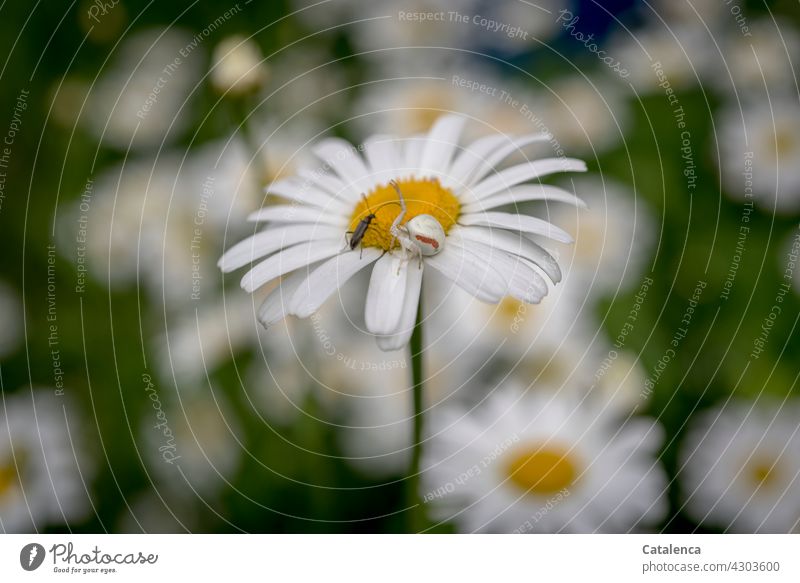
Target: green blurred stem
x,y
241,113
416,512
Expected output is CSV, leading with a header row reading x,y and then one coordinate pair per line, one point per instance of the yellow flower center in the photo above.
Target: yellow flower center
x,y
8,477
542,469
764,473
784,143
422,197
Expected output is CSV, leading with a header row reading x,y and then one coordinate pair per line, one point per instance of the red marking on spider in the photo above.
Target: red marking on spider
x,y
433,242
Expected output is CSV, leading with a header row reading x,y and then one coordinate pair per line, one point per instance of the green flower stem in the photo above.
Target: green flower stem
x,y
416,513
240,111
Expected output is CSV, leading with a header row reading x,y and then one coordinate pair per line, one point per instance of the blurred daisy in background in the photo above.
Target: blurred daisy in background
x,y
12,317
164,219
696,12
143,98
157,513
487,253
194,446
238,67
587,115
740,467
542,462
196,342
375,436
510,332
307,88
759,152
760,61
42,482
613,242
409,99
379,28
683,53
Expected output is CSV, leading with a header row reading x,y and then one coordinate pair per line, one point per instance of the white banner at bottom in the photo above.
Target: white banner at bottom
x,y
389,558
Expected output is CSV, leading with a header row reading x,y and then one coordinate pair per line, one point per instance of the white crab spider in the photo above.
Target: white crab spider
x,y
420,236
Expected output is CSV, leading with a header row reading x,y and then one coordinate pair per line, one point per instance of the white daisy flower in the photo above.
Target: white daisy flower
x,y
542,462
238,66
142,99
760,152
741,467
411,206
42,482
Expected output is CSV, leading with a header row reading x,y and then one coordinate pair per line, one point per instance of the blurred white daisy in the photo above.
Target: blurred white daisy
x,y
11,315
695,12
143,98
163,219
588,115
192,444
760,152
410,98
159,512
305,88
542,462
682,54
536,339
613,242
43,469
741,467
410,206
381,27
760,62
238,66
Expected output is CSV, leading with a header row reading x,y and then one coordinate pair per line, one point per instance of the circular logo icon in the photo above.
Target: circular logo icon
x,y
31,556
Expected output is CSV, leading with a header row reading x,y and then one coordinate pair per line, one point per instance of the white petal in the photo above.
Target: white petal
x,y
466,162
516,174
297,190
512,243
497,156
515,222
346,161
273,239
383,158
324,180
288,213
275,306
408,317
412,153
329,277
527,286
387,290
522,282
440,144
471,273
524,193
288,260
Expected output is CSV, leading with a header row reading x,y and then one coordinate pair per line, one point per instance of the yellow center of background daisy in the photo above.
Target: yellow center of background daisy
x,y
764,473
423,197
543,470
8,476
